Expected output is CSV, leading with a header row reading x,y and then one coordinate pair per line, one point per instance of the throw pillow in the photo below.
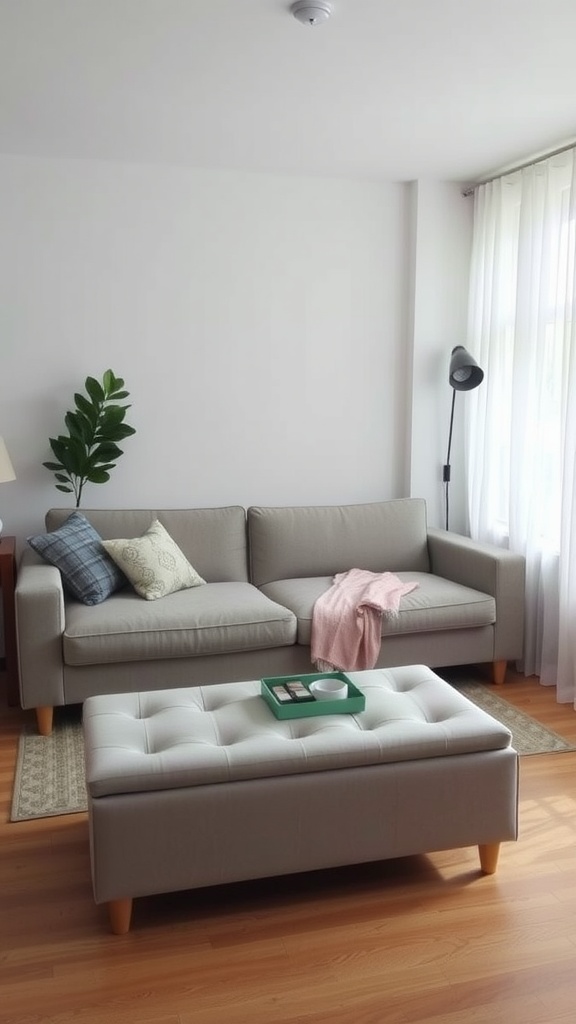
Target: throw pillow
x,y
154,563
75,548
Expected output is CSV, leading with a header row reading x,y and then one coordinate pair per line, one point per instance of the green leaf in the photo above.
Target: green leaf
x,y
120,432
106,451
54,444
87,429
95,391
111,383
112,414
67,490
78,453
108,432
96,459
86,408
77,425
54,466
97,476
62,454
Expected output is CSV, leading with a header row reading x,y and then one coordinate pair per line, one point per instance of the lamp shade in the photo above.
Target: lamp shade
x,y
465,374
6,468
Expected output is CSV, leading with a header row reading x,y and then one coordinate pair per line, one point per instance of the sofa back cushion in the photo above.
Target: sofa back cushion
x,y
212,539
296,542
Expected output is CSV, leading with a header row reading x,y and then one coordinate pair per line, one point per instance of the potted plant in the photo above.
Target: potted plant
x,y
90,450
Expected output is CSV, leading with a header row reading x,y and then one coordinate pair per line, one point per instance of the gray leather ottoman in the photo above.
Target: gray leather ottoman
x,y
195,787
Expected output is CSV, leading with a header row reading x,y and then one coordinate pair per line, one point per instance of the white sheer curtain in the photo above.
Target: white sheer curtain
x,y
522,420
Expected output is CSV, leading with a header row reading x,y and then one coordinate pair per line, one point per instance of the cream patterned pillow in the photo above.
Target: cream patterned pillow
x,y
153,563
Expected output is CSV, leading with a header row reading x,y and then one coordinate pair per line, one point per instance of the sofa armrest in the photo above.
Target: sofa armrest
x,y
39,600
493,571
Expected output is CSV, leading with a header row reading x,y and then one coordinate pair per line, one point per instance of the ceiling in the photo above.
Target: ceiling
x,y
444,89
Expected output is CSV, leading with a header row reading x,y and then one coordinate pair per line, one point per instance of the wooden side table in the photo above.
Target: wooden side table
x,y
8,583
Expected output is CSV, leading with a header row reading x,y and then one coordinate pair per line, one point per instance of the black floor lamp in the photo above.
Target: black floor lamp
x,y
465,375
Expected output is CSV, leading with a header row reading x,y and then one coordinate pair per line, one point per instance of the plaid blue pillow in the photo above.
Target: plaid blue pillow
x,y
76,549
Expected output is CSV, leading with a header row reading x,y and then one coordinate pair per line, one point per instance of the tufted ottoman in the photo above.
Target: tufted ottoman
x,y
195,787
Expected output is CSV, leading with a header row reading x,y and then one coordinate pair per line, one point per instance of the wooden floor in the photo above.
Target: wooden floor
x,y
413,940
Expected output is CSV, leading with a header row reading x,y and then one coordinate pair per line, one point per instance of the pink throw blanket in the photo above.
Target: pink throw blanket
x,y
347,619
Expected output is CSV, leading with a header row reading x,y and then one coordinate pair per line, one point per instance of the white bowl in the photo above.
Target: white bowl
x,y
329,689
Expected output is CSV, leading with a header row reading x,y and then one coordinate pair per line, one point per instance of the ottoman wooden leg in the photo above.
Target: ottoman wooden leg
x,y
489,857
120,913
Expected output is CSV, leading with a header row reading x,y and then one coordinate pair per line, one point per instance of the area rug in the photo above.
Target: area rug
x,y
49,777
528,736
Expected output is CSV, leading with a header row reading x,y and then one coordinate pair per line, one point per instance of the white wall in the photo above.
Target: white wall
x,y
259,322
440,237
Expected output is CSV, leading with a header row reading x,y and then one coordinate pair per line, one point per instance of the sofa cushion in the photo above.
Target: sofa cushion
x,y
213,539
436,604
154,563
218,618
76,549
299,542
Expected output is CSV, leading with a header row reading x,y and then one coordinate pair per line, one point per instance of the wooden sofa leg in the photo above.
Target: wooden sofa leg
x,y
499,671
120,915
489,853
44,719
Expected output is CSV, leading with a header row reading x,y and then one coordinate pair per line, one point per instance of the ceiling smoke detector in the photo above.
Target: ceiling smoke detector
x,y
311,12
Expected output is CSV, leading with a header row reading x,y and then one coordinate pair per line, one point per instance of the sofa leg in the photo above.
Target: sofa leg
x,y
499,671
44,719
119,915
489,853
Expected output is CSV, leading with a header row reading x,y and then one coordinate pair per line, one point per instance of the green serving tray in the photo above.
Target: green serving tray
x,y
354,702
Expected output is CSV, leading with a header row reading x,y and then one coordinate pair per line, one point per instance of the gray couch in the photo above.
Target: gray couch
x,y
264,569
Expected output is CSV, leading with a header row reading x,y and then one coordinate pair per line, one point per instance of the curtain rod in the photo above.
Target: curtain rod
x,y
470,189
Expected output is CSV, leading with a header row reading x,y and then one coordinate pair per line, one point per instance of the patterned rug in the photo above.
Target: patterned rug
x,y
528,736
49,777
